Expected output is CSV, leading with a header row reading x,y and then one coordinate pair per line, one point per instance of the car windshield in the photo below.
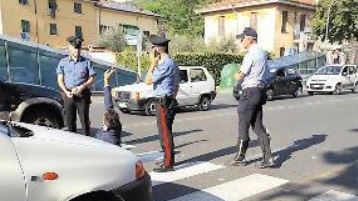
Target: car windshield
x,y
329,70
3,129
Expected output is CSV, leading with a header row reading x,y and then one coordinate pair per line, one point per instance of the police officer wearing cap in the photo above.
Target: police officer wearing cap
x,y
75,76
252,76
164,75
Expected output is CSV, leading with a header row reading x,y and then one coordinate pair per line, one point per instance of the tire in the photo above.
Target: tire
x,y
42,118
150,108
355,89
298,92
338,89
270,94
310,93
204,103
125,111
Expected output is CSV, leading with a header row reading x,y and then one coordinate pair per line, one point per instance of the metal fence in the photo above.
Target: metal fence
x,y
32,63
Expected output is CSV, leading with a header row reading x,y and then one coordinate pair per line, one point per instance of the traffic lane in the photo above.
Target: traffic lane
x,y
296,137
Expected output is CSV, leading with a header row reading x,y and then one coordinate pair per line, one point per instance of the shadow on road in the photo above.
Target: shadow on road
x,y
155,137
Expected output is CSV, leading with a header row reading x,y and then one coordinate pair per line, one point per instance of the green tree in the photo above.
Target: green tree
x,y
113,39
343,20
179,15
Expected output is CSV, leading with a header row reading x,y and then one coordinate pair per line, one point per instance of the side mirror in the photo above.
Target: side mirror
x,y
344,73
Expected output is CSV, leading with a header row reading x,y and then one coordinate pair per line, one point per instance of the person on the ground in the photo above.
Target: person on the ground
x,y
75,76
112,128
164,75
252,75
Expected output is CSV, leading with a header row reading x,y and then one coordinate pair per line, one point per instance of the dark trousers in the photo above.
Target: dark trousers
x,y
166,110
250,113
80,105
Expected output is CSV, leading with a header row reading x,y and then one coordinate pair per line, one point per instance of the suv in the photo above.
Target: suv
x,y
281,81
197,88
333,79
33,104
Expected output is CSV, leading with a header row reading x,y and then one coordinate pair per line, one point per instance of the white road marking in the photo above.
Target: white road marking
x,y
128,146
236,190
335,196
150,156
184,171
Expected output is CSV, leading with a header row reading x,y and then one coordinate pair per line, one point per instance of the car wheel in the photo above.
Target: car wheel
x,y
310,93
298,92
204,103
270,94
338,89
42,118
125,111
150,108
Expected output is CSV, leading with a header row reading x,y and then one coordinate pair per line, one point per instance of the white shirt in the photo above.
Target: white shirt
x,y
254,66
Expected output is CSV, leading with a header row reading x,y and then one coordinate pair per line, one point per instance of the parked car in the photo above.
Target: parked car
x,y
45,164
33,104
281,81
197,88
333,79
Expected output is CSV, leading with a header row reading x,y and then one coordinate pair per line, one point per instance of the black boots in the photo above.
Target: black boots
x,y
267,159
239,159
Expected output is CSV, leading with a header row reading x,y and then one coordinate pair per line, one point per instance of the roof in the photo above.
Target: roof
x,y
233,4
112,5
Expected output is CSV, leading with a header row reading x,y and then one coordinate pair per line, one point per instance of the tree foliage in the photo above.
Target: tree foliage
x,y
113,39
179,15
343,19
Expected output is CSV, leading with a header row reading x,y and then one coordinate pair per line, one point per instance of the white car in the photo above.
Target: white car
x,y
43,164
197,88
333,79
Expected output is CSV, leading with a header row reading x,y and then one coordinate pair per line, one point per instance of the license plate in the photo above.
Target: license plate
x,y
316,86
122,104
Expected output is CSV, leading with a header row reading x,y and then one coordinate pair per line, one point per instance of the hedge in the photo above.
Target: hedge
x,y
213,61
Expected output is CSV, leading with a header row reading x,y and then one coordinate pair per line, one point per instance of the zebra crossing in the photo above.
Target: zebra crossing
x,y
234,190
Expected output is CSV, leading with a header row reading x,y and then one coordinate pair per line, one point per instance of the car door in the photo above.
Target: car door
x,y
280,82
184,93
352,75
345,80
292,80
199,84
12,185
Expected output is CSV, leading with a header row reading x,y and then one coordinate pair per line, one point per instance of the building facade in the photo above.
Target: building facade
x,y
50,22
282,26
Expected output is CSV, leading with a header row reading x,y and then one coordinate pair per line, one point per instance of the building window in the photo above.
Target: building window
x,y
78,31
253,20
303,23
282,51
23,2
53,29
221,28
25,26
52,6
284,22
146,33
77,8
104,28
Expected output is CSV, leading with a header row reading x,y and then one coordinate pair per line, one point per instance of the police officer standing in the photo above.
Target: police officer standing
x,y
164,75
252,77
75,75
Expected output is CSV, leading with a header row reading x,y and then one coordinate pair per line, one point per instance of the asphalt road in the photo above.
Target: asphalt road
x,y
314,140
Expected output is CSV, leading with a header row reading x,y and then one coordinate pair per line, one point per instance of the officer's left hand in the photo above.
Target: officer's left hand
x,y
78,90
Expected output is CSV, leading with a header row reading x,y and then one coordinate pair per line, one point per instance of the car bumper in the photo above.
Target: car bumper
x,y
139,190
131,105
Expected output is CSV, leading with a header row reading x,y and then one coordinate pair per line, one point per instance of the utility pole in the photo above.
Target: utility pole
x,y
139,51
328,18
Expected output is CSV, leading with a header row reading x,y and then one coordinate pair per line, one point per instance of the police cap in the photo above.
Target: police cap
x,y
159,40
75,41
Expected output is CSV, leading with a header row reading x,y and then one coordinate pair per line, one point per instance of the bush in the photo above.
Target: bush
x,y
213,61
113,39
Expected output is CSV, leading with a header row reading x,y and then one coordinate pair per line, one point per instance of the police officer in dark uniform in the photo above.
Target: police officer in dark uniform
x,y
75,75
164,75
252,76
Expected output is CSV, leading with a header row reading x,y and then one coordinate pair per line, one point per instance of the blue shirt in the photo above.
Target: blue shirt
x,y
166,77
75,72
254,66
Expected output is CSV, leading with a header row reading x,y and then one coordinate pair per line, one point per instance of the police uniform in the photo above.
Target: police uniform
x,y
165,80
75,74
253,97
